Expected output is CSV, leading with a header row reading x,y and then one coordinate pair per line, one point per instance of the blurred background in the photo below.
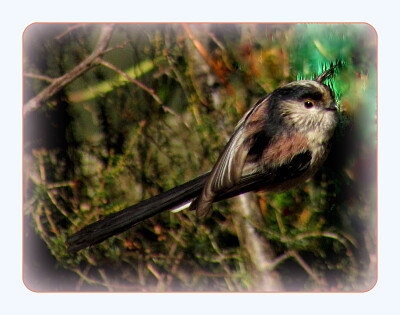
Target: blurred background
x,y
115,114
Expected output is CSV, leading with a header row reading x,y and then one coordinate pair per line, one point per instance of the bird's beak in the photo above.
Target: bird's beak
x,y
332,107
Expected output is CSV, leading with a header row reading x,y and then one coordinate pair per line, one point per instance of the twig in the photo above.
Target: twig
x,y
87,279
61,184
126,76
208,59
307,268
59,83
41,180
59,207
105,280
81,279
38,76
157,275
172,112
327,235
69,29
51,221
278,260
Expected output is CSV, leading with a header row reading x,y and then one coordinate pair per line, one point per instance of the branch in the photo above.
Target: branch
x,y
215,66
38,76
60,82
68,30
126,76
259,251
321,281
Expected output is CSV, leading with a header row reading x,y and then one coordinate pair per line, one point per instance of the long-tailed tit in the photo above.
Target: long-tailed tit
x,y
279,143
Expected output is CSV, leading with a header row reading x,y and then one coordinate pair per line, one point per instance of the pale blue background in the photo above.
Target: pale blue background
x,y
17,15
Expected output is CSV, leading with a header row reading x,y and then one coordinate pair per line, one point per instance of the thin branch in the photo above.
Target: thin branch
x,y
81,280
50,220
157,275
68,30
174,113
39,77
307,268
328,234
208,58
61,184
54,201
278,260
106,282
126,76
86,278
60,82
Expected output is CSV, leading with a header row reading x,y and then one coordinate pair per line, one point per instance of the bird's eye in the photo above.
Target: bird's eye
x,y
308,104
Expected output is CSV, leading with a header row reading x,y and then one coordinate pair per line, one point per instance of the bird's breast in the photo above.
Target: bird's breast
x,y
283,148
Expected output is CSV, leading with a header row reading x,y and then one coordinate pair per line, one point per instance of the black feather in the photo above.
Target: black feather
x,y
270,178
123,220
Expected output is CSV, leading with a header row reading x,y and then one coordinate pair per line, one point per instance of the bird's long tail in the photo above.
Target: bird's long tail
x,y
123,220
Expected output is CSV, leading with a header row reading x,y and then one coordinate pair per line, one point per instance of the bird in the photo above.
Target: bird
x,y
279,143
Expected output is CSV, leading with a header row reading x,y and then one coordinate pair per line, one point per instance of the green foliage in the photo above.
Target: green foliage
x,y
105,142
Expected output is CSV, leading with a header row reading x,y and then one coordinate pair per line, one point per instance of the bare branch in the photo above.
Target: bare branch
x,y
38,76
126,76
307,268
68,30
208,58
60,82
279,260
260,254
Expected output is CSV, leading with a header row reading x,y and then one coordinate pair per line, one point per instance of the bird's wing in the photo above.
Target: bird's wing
x,y
274,178
227,171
